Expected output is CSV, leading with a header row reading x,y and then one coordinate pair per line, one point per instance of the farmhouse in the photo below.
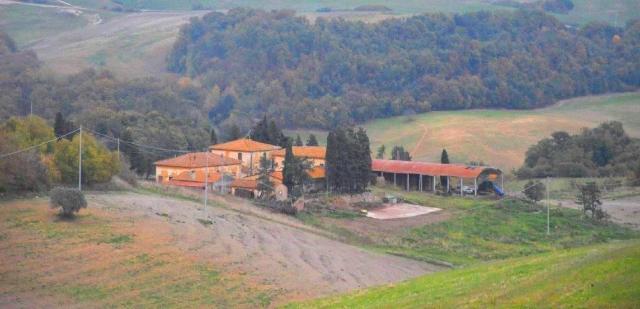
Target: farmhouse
x,y
424,176
191,168
245,150
314,154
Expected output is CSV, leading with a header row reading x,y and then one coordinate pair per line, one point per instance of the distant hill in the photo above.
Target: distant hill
x,y
336,72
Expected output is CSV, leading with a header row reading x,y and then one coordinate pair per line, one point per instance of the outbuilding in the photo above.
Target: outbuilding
x,y
425,176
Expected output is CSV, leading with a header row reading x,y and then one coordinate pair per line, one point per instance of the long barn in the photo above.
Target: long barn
x,y
425,176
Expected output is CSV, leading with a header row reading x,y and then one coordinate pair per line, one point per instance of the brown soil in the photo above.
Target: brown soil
x,y
254,250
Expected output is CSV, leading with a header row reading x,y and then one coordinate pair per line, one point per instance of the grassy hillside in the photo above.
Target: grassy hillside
x,y
101,260
593,277
472,230
496,137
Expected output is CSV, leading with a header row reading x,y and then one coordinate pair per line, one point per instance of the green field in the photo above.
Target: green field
x,y
591,277
496,137
28,24
476,230
615,12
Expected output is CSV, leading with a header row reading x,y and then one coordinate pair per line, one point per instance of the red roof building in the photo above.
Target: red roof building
x,y
421,175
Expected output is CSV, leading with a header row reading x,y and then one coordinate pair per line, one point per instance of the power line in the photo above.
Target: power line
x,y
36,146
139,145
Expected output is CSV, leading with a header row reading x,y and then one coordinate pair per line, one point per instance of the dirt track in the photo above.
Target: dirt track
x,y
625,211
301,263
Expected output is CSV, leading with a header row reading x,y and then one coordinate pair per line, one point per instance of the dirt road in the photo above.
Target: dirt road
x,y
301,263
625,211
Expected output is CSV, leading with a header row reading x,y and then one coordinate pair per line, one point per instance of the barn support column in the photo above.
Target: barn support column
x,y
461,185
475,186
408,181
448,184
434,184
395,183
420,182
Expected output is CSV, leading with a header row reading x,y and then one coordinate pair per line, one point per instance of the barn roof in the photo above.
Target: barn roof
x,y
244,145
433,169
197,159
312,152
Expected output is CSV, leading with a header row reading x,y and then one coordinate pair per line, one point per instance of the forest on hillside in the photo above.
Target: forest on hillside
x,y
163,113
335,72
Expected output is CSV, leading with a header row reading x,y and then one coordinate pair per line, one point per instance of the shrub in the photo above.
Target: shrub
x,y
69,200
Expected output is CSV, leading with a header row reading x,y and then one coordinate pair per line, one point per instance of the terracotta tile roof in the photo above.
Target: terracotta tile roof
x,y
433,169
244,145
197,159
189,184
244,183
312,152
275,177
198,176
316,172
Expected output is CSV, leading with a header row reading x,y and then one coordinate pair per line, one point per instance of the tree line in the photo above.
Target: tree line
x,y
51,163
602,151
336,72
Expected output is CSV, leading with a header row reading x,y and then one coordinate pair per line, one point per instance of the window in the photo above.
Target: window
x,y
239,155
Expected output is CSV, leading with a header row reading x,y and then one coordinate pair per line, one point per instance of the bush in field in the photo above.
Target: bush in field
x,y
69,200
534,190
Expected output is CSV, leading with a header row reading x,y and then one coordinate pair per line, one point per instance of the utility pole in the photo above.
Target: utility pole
x,y
548,202
80,161
118,140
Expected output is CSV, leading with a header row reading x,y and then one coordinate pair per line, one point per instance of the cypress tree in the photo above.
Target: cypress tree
x,y
213,139
330,161
363,160
381,151
444,159
288,169
265,185
59,125
234,132
299,141
312,141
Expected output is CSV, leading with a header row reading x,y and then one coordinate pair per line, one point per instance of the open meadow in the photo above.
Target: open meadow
x,y
496,137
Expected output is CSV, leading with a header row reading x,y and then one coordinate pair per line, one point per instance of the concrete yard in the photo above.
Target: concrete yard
x,y
400,210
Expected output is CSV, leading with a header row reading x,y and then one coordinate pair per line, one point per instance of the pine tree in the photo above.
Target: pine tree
x,y
312,141
444,159
299,141
381,150
213,139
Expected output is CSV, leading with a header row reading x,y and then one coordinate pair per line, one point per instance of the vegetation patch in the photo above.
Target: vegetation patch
x,y
118,240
